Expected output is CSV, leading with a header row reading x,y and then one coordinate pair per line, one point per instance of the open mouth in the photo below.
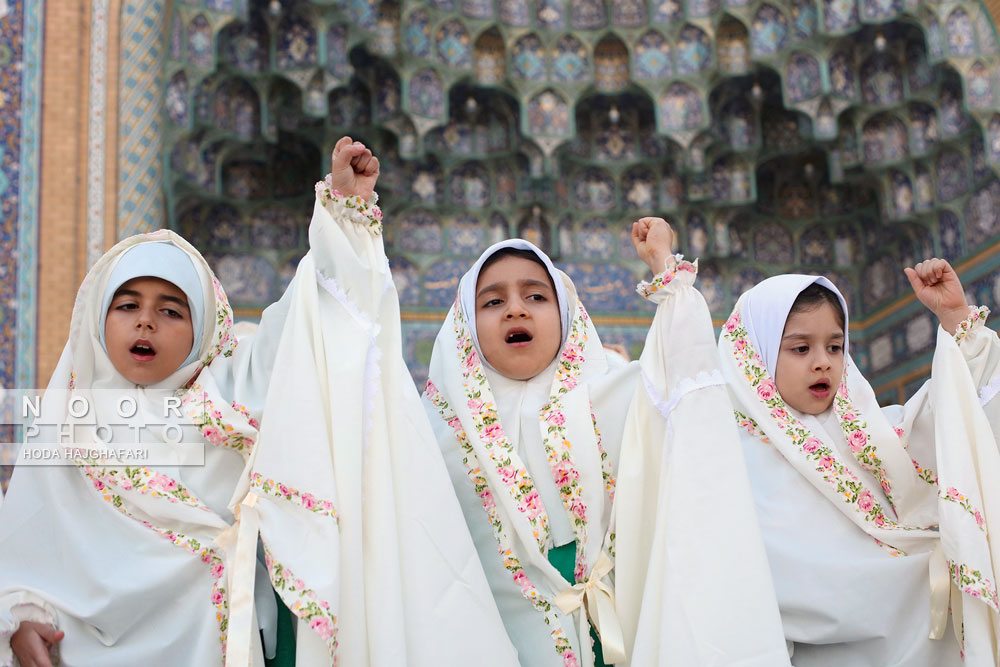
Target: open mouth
x,y
518,337
820,389
142,350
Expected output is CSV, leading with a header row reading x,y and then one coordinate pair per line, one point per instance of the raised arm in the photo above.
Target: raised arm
x,y
676,582
346,249
937,286
653,239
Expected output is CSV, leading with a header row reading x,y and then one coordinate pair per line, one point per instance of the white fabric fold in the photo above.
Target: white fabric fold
x,y
364,539
481,422
109,548
690,559
825,485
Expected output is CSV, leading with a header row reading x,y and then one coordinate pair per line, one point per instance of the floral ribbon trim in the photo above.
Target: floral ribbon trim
x,y
303,602
359,211
558,446
105,484
952,494
609,540
225,342
925,474
141,480
972,583
214,425
504,542
646,288
305,500
606,472
852,490
487,422
751,426
856,431
976,314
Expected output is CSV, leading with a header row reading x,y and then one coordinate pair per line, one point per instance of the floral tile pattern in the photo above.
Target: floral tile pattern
x,y
831,136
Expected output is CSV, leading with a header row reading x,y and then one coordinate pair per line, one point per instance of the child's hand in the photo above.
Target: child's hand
x,y
937,286
653,240
32,641
354,169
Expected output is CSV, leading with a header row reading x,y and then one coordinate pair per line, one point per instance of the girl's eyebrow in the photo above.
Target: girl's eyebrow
x,y
162,297
524,282
173,299
804,336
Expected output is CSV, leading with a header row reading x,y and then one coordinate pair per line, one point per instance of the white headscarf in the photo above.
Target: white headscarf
x,y
917,510
167,262
157,524
589,417
766,308
546,476
467,287
749,347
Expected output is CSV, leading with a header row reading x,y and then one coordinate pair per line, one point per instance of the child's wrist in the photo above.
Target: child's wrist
x,y
659,262
663,280
950,318
973,315
357,208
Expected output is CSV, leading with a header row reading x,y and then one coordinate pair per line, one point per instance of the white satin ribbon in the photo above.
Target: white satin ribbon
x,y
940,592
595,599
239,541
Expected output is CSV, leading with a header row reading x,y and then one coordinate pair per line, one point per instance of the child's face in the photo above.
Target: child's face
x,y
517,317
148,330
810,359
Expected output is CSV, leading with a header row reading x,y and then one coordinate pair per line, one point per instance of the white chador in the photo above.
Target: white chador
x,y
361,535
634,464
876,521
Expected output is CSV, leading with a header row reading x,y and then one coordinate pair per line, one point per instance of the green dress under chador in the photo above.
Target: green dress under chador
x,y
284,655
563,558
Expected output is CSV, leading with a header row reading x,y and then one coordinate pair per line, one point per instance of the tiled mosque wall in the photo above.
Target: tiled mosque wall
x,y
839,137
20,87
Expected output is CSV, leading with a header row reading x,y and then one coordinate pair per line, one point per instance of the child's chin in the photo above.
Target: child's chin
x,y
812,406
521,372
145,379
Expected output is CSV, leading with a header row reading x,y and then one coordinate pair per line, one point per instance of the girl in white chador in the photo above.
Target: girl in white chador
x,y
155,564
615,488
868,513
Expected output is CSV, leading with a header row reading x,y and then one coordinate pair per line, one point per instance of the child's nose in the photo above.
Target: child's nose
x,y
144,320
515,309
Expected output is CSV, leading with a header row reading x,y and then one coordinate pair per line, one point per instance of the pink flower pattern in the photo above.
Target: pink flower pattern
x,y
661,280
105,485
851,489
140,480
556,441
230,427
305,500
976,314
359,211
303,602
954,495
225,342
973,583
855,430
514,476
107,481
925,474
505,544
